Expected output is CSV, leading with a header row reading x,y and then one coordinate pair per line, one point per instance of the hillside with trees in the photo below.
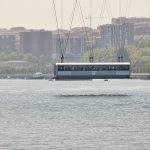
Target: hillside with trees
x,y
39,64
139,57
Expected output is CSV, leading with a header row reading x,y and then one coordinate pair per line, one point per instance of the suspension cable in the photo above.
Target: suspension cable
x,y
72,18
130,4
120,7
60,42
109,8
127,8
102,10
82,21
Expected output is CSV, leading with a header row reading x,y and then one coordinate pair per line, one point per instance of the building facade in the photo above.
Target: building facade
x,y
59,39
36,42
133,20
141,25
7,42
116,35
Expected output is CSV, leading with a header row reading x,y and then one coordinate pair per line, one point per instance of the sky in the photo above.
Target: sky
x,y
39,14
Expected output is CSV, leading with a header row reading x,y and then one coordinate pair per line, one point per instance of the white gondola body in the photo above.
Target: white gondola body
x,y
113,70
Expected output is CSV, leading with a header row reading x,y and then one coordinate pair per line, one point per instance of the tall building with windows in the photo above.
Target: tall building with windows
x,y
73,42
133,20
141,25
116,35
77,41
7,42
59,38
77,44
37,42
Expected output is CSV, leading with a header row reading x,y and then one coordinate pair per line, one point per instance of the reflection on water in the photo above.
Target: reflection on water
x,y
75,115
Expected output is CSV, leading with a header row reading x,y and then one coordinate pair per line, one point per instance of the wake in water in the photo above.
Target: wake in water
x,y
92,95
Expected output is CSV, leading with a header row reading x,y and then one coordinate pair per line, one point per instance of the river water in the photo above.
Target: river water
x,y
75,115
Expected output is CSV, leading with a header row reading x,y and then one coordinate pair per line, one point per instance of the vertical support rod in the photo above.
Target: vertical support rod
x,y
91,49
62,13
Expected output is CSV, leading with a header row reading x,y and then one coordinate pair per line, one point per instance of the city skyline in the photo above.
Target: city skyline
x,y
40,14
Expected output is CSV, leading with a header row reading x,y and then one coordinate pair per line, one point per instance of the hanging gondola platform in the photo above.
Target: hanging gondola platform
x,y
85,71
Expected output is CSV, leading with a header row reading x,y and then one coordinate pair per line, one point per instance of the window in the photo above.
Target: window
x,y
61,68
125,68
67,68
111,68
88,68
122,68
104,68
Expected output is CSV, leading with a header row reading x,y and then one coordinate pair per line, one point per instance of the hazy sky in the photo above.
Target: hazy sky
x,y
39,14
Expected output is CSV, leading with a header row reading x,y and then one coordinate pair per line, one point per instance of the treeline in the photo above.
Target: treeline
x,y
12,56
40,64
46,69
142,41
139,57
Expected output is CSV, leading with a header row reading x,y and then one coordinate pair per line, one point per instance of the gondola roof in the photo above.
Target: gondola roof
x,y
101,63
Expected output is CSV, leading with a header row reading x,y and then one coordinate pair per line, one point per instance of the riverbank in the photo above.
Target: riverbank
x,y
142,76
24,76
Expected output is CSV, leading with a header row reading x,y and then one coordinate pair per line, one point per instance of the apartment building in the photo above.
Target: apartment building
x,y
141,25
116,35
37,42
7,42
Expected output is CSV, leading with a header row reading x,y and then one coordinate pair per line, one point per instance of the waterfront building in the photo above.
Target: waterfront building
x,y
133,20
59,38
77,41
116,35
141,25
37,42
73,43
7,42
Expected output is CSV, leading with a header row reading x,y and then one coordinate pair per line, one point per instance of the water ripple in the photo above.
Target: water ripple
x,y
92,95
